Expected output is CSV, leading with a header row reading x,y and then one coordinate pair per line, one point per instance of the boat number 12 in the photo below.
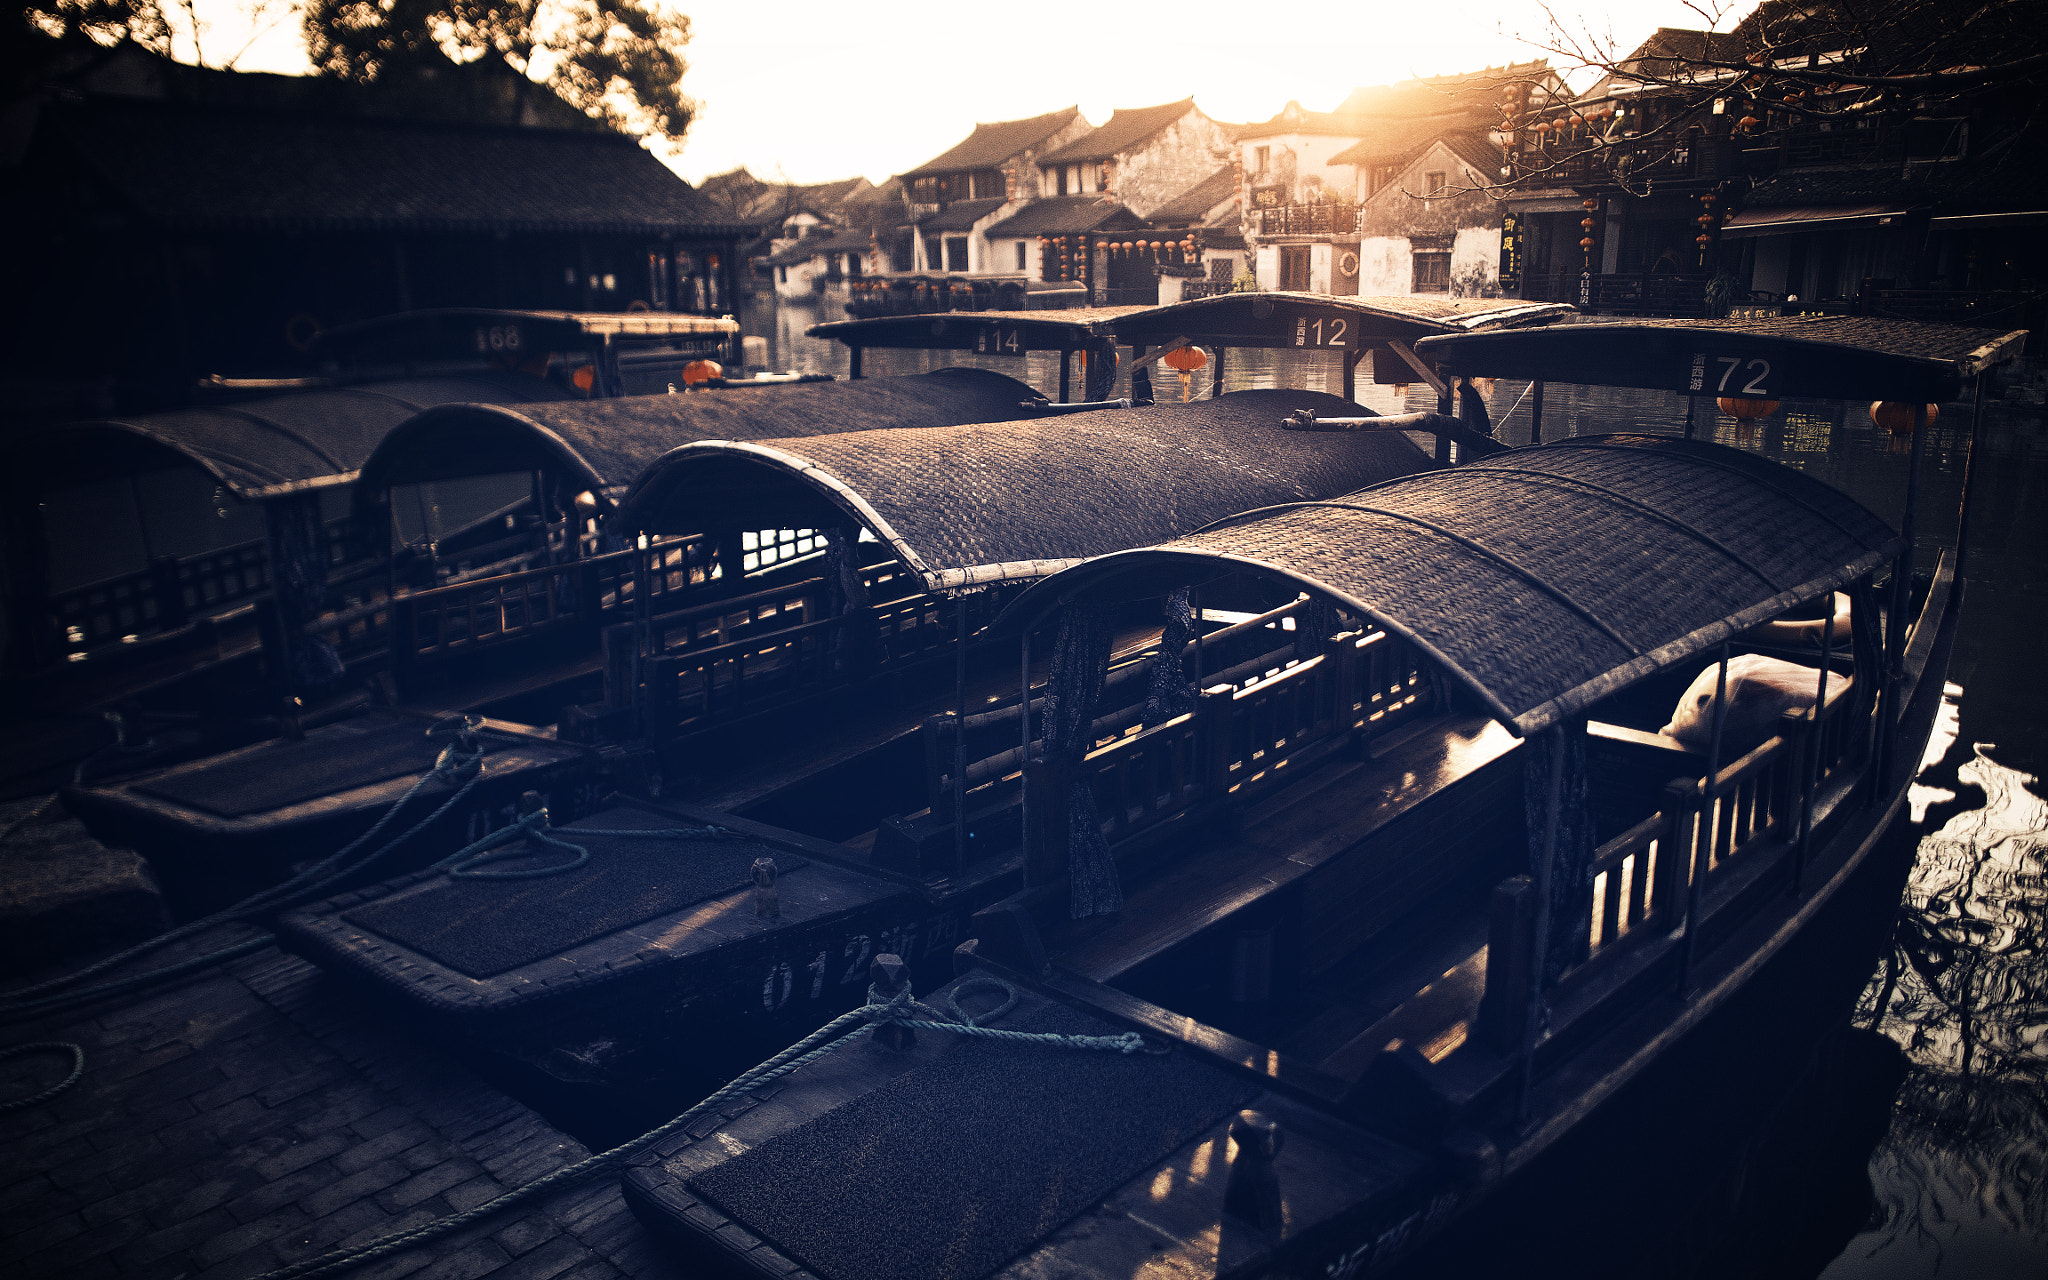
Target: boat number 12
x,y
1321,333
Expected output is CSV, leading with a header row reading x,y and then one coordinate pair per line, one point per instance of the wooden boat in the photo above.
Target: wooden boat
x,y
143,550
1390,937
1011,332
965,515
511,626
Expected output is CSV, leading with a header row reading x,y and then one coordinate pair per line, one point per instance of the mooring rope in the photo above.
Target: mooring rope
x,y
463,864
896,1008
58,1046
453,764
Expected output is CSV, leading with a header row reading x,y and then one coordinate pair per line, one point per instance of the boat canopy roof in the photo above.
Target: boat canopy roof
x,y
1827,357
260,448
1544,578
1323,322
601,445
967,505
999,333
469,333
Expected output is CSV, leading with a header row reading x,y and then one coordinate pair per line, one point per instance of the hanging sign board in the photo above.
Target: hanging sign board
x,y
1729,375
1000,340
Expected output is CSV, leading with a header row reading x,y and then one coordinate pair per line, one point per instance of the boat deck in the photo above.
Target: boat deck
x,y
257,1116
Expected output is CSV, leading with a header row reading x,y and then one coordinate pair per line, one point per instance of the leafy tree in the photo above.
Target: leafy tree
x,y
618,61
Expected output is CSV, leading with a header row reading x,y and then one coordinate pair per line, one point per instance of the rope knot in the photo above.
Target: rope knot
x,y
453,765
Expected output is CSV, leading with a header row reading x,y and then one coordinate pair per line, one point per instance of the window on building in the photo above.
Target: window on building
x,y
1062,181
782,275
1102,171
1432,184
1432,271
1262,159
1222,270
1022,254
854,264
1294,267
956,253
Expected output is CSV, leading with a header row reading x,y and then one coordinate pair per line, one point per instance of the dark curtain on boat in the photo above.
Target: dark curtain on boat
x,y
850,597
1170,695
1571,870
1866,649
1080,659
1101,374
298,582
1314,624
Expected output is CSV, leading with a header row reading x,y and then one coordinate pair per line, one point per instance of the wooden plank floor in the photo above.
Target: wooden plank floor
x,y
255,1116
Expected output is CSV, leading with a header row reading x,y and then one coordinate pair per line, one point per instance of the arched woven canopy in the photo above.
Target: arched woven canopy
x,y
602,444
261,448
1546,577
986,503
983,332
1828,357
1327,322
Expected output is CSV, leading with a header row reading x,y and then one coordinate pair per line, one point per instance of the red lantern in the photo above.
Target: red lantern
x,y
1587,223
1896,416
1703,239
1587,243
1185,359
1589,205
1746,411
701,371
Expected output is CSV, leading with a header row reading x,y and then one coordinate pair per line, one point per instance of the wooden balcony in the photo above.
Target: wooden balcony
x,y
1326,219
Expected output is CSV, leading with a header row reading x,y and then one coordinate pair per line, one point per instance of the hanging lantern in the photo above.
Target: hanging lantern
x,y
1184,361
1586,244
1705,220
1746,124
1896,416
1703,239
701,371
1587,223
1746,411
1589,205
583,378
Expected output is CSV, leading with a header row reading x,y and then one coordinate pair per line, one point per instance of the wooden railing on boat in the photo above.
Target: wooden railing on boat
x,y
1263,716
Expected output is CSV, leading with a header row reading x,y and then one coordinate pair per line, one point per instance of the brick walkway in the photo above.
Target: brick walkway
x,y
255,1117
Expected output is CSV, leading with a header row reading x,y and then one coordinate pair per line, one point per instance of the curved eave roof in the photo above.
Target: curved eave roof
x,y
1546,577
1285,320
603,444
973,330
965,506
1828,357
265,448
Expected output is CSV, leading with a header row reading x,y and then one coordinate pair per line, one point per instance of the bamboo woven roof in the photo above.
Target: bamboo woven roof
x,y
603,444
1830,357
1546,577
458,332
1287,320
974,504
262,448
1049,330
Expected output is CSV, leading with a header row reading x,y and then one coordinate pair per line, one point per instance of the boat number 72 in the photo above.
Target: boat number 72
x,y
1734,366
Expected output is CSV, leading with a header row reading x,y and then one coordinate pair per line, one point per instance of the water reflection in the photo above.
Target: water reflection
x,y
1958,1183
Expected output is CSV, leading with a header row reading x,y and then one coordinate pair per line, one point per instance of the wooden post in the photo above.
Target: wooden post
x,y
617,651
1969,479
1536,413
1510,945
941,735
1691,408
1351,359
1141,377
1443,442
1066,373
853,364
1902,603
1024,752
1212,738
1539,933
1216,385
1252,1195
959,731
1703,845
405,641
1813,750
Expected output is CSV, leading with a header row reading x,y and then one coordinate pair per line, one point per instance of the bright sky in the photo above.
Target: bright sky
x,y
823,89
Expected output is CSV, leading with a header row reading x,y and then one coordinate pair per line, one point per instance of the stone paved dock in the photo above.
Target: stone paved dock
x,y
255,1116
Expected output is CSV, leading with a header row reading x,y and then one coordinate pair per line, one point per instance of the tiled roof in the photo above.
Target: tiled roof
x,y
1435,95
2008,181
991,144
1293,119
961,215
1193,205
1397,141
855,241
224,167
1066,215
1124,131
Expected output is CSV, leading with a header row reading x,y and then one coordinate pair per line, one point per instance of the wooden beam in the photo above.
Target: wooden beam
x,y
1407,353
1143,361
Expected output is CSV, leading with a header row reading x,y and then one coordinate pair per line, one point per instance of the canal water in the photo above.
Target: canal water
x,y
1914,1141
